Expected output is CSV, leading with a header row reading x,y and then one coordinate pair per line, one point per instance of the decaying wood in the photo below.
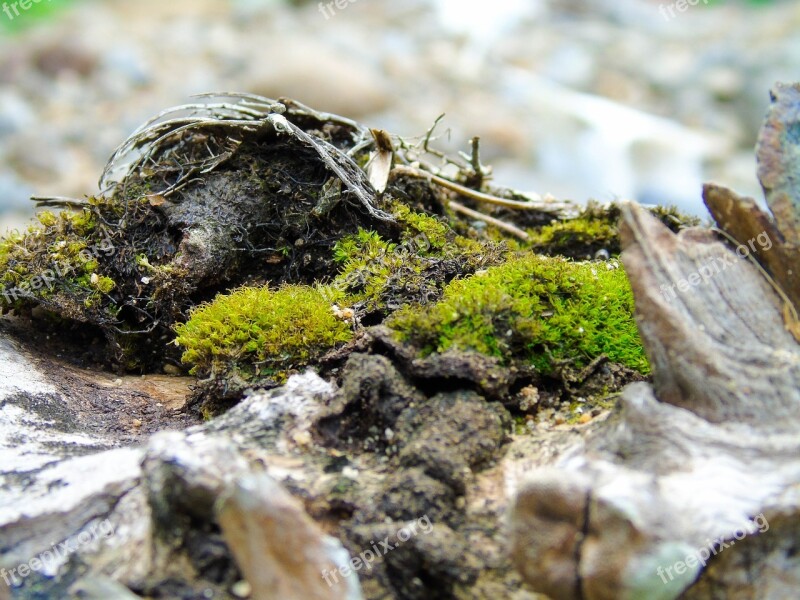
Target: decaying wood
x,y
692,459
719,348
743,220
778,154
103,517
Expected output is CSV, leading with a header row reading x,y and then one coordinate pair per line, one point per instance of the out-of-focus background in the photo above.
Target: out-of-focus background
x,y
582,99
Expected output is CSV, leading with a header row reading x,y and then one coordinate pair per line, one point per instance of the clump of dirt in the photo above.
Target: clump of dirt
x,y
203,210
429,447
428,428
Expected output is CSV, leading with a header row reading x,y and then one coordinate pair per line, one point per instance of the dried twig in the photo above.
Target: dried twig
x,y
474,214
60,201
536,203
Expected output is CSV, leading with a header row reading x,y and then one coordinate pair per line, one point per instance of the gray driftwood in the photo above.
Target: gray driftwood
x,y
705,463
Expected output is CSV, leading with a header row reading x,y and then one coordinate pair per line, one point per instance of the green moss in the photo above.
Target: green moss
x,y
103,284
364,246
536,309
673,218
378,276
421,226
560,236
595,228
260,332
54,256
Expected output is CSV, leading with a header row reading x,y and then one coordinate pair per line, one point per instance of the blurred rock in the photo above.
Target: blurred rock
x,y
63,55
281,551
15,113
318,75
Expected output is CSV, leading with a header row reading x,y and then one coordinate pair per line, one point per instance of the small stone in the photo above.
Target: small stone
x,y
350,473
302,438
345,314
241,589
529,398
171,369
602,254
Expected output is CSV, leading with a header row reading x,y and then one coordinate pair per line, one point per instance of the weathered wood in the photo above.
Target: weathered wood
x,y
102,516
743,220
712,327
693,459
778,154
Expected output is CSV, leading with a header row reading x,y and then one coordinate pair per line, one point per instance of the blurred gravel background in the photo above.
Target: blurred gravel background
x,y
590,99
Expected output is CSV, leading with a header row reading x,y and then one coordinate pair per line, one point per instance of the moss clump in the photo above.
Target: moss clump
x,y
535,309
674,219
419,226
595,228
257,332
378,276
61,260
576,237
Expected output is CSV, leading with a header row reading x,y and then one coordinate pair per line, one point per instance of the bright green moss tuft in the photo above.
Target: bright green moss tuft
x,y
380,276
363,246
421,226
261,332
55,257
103,284
537,309
581,231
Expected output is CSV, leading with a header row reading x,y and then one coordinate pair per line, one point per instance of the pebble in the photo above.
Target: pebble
x,y
15,113
241,589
